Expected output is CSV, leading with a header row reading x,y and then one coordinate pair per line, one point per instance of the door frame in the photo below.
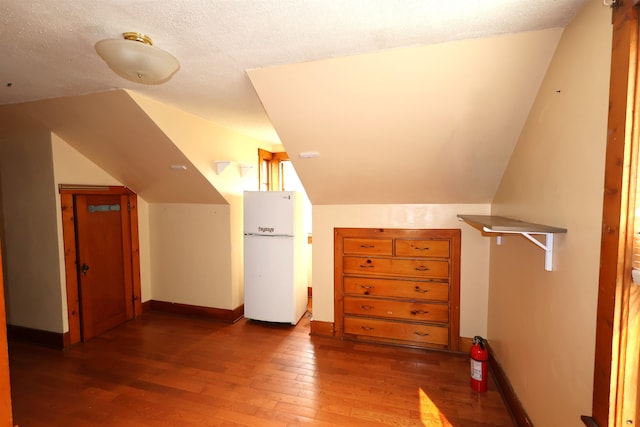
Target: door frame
x,y
6,416
616,351
67,194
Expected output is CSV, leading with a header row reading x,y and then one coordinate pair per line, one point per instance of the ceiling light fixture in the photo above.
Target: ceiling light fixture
x,y
135,58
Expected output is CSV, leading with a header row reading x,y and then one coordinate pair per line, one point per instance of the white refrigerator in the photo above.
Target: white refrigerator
x,y
275,256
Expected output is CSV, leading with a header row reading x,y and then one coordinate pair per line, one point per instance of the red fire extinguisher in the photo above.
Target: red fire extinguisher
x,y
479,358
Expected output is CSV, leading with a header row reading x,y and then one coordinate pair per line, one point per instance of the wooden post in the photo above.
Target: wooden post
x,y
6,417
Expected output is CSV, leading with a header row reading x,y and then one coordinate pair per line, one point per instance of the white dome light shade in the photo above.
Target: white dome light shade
x,y
135,58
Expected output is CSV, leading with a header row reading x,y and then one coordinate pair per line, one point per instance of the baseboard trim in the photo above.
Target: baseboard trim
x,y
588,421
321,329
55,340
514,405
228,316
464,344
146,306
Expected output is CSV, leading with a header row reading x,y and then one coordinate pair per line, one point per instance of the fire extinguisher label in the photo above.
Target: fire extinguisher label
x,y
476,370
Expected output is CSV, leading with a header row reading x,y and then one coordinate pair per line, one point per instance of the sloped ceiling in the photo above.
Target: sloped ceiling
x,y
111,130
435,124
414,101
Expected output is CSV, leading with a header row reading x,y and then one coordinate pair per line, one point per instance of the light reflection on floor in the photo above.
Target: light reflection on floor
x,y
430,415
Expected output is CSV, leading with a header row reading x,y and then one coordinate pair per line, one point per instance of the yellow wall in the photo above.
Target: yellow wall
x,y
542,324
205,269
190,249
33,163
71,167
429,124
204,143
475,252
33,293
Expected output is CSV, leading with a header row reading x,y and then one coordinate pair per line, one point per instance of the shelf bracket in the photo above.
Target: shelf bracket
x,y
499,225
547,246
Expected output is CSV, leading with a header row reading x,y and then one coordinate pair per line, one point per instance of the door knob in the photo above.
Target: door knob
x,y
84,269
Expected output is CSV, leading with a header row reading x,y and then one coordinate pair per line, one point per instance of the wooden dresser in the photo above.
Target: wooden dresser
x,y
398,286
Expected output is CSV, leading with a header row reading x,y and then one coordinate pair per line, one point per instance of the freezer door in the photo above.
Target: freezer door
x,y
269,279
270,212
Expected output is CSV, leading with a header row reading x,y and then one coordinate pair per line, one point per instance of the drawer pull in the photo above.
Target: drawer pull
x,y
422,291
422,268
367,328
367,286
414,312
426,248
367,266
367,307
367,246
422,334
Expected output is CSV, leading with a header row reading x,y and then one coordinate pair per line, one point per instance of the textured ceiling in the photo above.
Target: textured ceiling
x,y
47,46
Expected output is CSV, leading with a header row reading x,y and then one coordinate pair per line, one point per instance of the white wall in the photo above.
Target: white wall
x,y
542,324
474,275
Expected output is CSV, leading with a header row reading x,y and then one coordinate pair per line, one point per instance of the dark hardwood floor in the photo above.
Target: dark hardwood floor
x,y
167,370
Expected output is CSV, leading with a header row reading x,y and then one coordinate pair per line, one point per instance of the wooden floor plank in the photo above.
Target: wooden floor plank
x,y
170,370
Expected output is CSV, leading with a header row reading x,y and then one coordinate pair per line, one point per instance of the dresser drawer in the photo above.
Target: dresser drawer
x,y
393,309
428,334
409,289
422,248
357,246
398,286
396,267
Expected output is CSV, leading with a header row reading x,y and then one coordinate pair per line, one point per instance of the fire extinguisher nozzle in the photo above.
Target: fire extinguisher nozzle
x,y
479,341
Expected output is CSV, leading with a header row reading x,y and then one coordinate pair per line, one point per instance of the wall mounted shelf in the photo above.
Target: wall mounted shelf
x,y
500,225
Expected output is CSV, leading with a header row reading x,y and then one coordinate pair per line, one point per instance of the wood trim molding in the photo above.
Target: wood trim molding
x,y
70,256
55,340
93,189
146,306
228,316
321,329
135,255
465,345
514,405
588,421
454,287
6,414
616,243
338,294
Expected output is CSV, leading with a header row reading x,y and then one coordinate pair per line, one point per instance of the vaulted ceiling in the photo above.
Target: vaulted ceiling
x,y
405,102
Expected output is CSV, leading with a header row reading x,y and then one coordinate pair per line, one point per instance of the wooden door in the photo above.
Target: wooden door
x,y
102,263
103,252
